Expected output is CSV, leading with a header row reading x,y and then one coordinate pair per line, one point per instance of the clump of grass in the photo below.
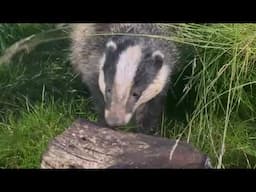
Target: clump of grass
x,y
221,84
40,97
23,139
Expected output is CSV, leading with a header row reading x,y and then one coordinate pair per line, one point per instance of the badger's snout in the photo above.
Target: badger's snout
x,y
117,117
115,121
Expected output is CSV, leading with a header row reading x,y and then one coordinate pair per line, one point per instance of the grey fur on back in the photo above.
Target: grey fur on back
x,y
87,48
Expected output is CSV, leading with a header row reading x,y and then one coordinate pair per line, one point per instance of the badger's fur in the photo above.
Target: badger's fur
x,y
127,75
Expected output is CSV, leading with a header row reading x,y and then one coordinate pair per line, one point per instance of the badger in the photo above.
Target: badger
x,y
126,69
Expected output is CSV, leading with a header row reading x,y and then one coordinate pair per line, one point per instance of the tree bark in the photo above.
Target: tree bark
x,y
86,145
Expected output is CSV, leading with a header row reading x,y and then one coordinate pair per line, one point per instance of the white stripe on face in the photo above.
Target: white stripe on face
x,y
125,72
155,87
126,68
101,80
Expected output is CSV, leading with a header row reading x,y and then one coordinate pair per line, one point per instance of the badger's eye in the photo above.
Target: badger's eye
x,y
108,92
136,95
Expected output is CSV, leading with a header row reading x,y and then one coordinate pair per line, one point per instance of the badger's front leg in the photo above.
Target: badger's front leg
x,y
148,116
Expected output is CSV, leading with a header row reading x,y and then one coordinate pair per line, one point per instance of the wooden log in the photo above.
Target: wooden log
x,y
86,145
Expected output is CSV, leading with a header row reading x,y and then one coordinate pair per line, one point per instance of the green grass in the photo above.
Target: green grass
x,y
211,106
221,84
40,97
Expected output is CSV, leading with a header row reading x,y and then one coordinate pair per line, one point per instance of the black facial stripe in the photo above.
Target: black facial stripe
x,y
110,65
145,74
109,70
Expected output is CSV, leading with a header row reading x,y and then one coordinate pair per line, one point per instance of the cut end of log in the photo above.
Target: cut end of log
x,y
86,145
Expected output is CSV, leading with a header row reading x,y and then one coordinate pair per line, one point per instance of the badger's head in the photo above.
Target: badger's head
x,y
131,74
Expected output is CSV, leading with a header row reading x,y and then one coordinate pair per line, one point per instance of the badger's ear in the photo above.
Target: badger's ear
x,y
111,45
158,58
